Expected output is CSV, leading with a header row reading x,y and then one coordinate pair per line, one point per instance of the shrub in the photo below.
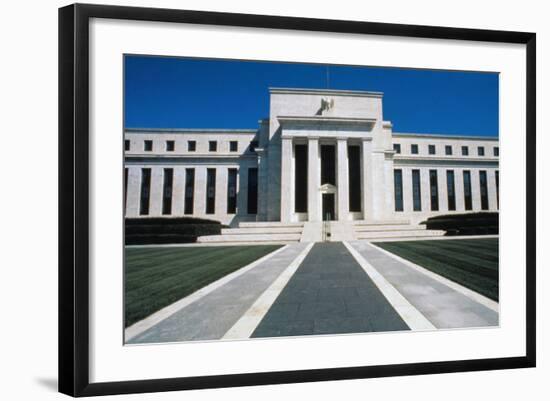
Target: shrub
x,y
165,230
465,224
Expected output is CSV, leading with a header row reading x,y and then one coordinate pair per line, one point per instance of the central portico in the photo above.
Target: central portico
x,y
335,150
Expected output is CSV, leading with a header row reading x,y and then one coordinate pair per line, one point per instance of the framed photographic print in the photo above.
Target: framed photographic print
x,y
249,199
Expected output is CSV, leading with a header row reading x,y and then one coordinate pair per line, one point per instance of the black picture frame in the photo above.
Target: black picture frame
x,y
74,194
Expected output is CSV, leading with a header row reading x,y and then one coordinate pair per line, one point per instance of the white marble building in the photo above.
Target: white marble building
x,y
321,154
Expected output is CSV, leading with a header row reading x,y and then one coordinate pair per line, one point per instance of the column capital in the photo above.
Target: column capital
x,y
342,139
312,138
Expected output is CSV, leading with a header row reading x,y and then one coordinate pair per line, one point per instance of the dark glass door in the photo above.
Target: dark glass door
x,y
328,207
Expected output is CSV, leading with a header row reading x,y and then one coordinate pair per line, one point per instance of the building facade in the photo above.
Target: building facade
x,y
321,155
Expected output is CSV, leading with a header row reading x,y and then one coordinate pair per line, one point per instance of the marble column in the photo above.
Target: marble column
x,y
492,189
313,180
366,178
178,192
407,190
459,189
242,190
155,196
199,198
389,204
262,184
343,179
443,190
221,191
286,179
425,192
133,191
476,191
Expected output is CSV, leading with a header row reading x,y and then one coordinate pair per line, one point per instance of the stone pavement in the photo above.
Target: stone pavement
x,y
329,294
442,305
330,290
210,317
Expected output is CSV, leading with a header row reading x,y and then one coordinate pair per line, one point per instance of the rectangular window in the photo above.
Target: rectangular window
x,y
252,190
253,145
397,148
467,190
300,178
497,179
434,195
431,149
354,168
483,190
145,191
231,191
448,150
233,146
417,201
170,146
167,191
148,146
189,190
414,149
496,151
125,188
398,189
210,190
451,199
191,146
480,151
126,144
465,151
212,146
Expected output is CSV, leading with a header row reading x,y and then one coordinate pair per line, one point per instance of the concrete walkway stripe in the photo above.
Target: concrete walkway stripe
x,y
246,325
483,300
150,321
449,238
412,317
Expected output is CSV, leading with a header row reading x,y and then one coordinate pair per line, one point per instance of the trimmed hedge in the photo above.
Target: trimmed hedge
x,y
167,220
166,230
465,224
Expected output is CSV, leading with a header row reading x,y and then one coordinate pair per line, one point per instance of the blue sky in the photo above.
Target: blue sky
x,y
165,92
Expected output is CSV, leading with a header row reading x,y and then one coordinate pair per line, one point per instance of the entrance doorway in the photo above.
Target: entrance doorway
x,y
328,207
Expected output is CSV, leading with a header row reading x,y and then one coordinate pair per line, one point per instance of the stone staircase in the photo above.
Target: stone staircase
x,y
394,229
270,232
265,232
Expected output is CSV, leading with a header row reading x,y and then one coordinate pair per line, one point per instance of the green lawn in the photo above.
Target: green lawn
x,y
156,277
472,263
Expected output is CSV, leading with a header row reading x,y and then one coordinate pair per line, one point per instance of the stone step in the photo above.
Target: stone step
x,y
388,227
262,230
380,222
400,234
268,224
251,238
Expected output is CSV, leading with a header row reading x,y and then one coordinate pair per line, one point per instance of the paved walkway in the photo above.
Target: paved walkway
x,y
442,305
211,316
329,294
335,288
